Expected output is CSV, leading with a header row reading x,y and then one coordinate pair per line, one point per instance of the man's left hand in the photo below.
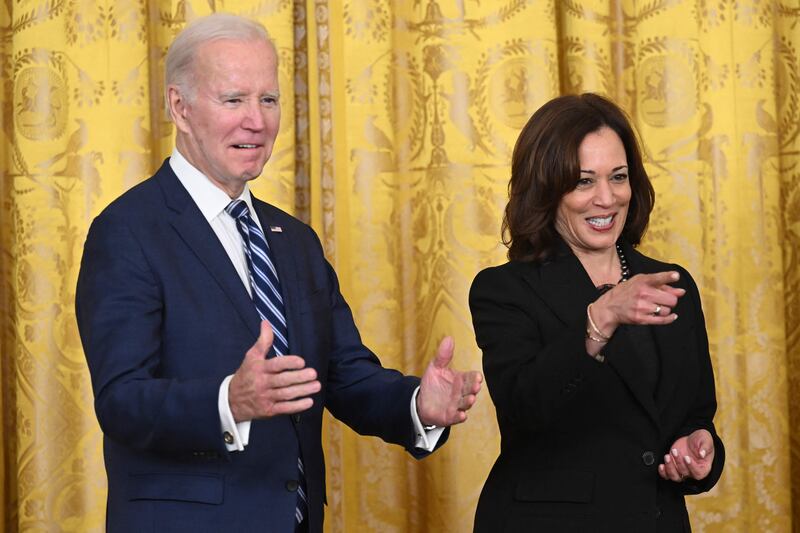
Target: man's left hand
x,y
445,395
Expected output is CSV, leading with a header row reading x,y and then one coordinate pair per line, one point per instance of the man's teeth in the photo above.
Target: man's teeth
x,y
245,145
600,221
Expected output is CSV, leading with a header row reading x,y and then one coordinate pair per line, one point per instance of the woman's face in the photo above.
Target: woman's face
x,y
590,218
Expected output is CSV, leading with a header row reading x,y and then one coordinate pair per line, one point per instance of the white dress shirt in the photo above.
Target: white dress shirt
x,y
212,201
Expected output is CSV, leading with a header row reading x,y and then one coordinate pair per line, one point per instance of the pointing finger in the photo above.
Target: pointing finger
x,y
661,278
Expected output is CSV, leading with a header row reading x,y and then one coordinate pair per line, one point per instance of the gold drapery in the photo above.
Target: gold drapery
x,y
398,123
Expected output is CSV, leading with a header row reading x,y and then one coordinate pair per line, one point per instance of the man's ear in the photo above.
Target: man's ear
x,y
178,107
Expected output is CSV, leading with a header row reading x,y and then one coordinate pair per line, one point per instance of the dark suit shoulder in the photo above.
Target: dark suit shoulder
x,y
278,215
507,280
141,200
647,264
644,264
512,270
270,215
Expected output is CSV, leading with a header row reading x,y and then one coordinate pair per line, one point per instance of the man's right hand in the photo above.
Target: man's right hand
x,y
262,387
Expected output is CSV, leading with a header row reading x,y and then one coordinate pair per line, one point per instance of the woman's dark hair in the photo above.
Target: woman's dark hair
x,y
545,167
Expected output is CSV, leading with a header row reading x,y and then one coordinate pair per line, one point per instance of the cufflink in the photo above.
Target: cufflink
x,y
227,437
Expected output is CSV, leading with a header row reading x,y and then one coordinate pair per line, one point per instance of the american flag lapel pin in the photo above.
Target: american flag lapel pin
x,y
276,229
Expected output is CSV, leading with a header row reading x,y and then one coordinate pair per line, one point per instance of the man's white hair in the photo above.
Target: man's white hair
x,y
179,69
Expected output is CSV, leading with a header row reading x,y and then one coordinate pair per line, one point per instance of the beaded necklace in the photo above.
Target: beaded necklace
x,y
625,271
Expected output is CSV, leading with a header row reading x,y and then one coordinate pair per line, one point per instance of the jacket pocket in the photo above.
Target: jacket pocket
x,y
199,488
574,486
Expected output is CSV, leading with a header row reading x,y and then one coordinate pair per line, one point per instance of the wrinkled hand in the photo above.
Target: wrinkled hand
x,y
262,387
644,299
445,395
689,457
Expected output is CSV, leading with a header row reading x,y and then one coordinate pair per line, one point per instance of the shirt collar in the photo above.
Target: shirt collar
x,y
210,199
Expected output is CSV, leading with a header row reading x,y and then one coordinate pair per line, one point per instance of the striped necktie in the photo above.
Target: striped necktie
x,y
264,283
266,291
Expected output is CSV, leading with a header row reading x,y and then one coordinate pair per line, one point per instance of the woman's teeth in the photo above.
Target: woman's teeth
x,y
600,222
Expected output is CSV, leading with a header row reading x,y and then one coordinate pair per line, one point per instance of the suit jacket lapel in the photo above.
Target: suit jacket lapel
x,y
566,288
670,340
195,231
285,263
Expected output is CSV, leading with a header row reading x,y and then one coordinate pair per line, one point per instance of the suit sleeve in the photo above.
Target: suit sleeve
x,y
119,307
704,405
369,398
529,378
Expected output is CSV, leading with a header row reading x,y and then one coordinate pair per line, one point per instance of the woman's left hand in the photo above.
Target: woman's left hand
x,y
689,457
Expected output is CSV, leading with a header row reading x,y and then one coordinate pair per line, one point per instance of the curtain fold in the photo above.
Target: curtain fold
x,y
398,123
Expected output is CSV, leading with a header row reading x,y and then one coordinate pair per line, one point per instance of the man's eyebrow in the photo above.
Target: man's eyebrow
x,y
231,94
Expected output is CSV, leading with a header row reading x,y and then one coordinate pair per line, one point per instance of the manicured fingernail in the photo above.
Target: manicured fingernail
x,y
703,453
675,276
687,459
675,452
667,459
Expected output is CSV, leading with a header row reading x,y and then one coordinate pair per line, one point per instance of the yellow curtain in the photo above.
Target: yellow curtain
x,y
398,123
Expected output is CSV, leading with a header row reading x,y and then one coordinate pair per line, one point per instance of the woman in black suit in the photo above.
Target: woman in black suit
x,y
596,356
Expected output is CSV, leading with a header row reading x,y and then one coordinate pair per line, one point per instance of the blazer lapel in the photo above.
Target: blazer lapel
x,y
566,288
284,257
670,340
671,345
627,364
189,223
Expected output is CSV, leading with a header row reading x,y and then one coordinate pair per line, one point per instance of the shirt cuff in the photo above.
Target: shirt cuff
x,y
426,438
236,436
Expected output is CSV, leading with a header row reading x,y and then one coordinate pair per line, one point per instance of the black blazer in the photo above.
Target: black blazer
x,y
582,440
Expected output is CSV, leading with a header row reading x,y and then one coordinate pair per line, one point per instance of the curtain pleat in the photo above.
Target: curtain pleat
x,y
398,123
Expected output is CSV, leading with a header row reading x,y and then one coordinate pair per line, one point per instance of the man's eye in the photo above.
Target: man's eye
x,y
269,100
233,100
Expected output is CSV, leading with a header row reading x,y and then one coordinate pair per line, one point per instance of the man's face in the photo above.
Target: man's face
x,y
228,121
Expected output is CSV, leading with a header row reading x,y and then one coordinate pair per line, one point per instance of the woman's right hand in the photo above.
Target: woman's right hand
x,y
645,299
689,457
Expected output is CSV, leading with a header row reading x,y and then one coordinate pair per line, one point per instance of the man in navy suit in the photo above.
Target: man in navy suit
x,y
205,429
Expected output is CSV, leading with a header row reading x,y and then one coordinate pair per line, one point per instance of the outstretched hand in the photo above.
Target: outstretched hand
x,y
645,299
262,387
689,457
445,395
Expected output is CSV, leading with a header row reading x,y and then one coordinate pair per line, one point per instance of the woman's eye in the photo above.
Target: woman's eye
x,y
620,177
584,182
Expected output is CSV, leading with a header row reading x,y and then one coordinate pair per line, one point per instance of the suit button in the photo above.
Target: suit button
x,y
296,418
227,437
291,485
648,458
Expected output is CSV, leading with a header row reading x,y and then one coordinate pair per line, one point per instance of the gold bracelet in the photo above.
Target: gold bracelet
x,y
594,326
595,339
